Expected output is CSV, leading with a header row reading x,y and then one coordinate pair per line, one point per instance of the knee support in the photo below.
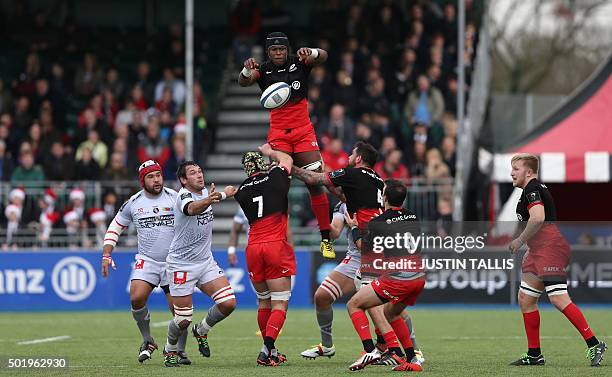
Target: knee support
x,y
331,287
554,288
224,294
182,316
529,290
280,296
263,295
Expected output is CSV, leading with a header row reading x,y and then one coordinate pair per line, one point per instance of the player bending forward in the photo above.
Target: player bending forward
x,y
343,280
191,264
394,289
290,128
270,258
544,265
152,212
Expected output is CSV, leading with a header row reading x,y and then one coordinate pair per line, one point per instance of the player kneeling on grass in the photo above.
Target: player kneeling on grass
x,y
396,287
191,263
263,197
152,212
545,263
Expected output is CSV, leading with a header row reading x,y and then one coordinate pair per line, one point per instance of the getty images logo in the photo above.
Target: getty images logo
x,y
73,279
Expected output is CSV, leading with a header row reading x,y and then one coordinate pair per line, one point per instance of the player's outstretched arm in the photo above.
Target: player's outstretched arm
x,y
310,177
285,160
249,74
312,55
336,227
111,237
233,243
197,207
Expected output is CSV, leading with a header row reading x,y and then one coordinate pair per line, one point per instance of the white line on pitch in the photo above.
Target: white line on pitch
x,y
160,324
45,340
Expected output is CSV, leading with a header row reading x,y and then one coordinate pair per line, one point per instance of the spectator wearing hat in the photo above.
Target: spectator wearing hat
x,y
48,216
13,216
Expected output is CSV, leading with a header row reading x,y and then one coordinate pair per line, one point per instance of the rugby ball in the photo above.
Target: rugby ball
x,y
276,95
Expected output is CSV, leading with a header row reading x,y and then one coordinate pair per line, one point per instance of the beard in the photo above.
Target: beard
x,y
151,189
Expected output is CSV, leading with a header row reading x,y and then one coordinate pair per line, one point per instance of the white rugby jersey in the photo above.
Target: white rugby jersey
x,y
192,234
241,218
154,222
352,251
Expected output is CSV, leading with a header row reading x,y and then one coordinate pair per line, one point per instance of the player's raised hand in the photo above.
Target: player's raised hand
x,y
350,221
230,191
266,149
251,63
304,52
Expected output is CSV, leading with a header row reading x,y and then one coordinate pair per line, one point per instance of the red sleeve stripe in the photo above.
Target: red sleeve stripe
x,y
329,180
113,232
534,204
124,226
110,239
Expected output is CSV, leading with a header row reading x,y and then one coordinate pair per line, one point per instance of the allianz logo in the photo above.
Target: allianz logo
x,y
73,279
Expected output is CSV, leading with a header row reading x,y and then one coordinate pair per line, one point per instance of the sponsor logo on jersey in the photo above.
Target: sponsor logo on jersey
x,y
281,70
153,221
401,218
337,173
155,210
292,68
296,85
139,264
186,195
180,277
205,218
520,218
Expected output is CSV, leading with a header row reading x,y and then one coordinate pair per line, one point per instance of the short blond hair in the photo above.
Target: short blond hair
x,y
530,160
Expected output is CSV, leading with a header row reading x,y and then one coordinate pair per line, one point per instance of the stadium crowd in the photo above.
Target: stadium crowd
x,y
69,115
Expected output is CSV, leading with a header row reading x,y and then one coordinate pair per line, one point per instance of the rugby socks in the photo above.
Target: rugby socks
x,y
213,317
182,341
379,336
577,319
263,315
325,319
174,332
320,208
142,318
362,326
392,344
532,329
275,324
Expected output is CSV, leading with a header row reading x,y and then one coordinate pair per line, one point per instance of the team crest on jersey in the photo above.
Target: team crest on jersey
x,y
292,68
337,173
520,218
186,195
139,264
155,210
296,85
180,277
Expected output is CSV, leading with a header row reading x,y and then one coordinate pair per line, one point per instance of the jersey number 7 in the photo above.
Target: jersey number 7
x,y
259,201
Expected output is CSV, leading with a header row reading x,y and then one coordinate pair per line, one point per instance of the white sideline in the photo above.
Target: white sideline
x,y
44,340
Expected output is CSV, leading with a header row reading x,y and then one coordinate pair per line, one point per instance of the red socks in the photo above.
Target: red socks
x,y
403,333
391,340
263,315
275,323
320,208
362,325
577,319
532,328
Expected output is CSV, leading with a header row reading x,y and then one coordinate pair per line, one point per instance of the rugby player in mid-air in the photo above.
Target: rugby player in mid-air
x,y
263,197
152,212
290,128
191,263
400,281
545,263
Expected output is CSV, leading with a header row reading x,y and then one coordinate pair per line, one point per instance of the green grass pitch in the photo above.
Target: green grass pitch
x,y
455,343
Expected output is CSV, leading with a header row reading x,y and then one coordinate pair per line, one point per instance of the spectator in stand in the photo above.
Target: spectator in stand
x,y
110,107
5,97
6,163
434,74
87,122
403,79
388,144
152,146
48,215
27,171
74,38
13,214
176,158
58,85
417,161
34,138
42,94
245,21
450,94
392,167
166,103
109,203
389,26
449,27
143,73
129,160
113,83
435,168
334,156
355,26
88,77
344,92
375,100
337,125
449,154
137,97
25,85
179,91
21,119
116,170
425,104
86,168
57,164
98,149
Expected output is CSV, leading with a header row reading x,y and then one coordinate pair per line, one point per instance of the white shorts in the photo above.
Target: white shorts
x,y
151,271
185,278
349,266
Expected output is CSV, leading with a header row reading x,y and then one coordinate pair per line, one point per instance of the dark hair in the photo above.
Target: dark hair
x,y
395,192
368,153
181,172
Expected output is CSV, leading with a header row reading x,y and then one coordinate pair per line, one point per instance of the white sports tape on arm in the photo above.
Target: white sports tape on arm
x,y
246,72
315,52
112,233
231,250
313,166
223,195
